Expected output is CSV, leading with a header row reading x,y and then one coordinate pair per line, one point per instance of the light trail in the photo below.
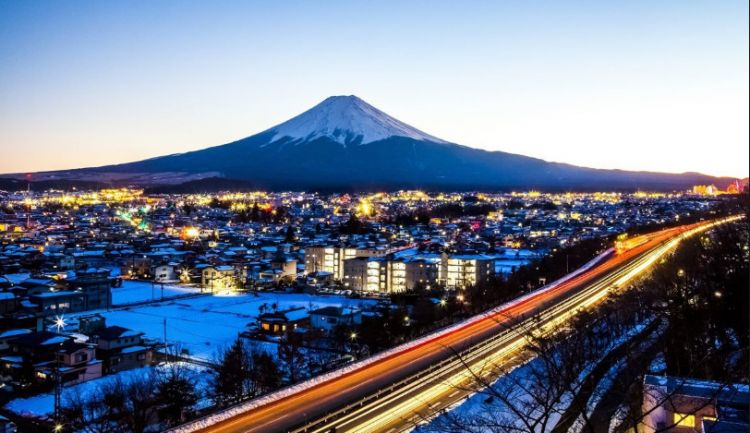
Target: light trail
x,y
386,394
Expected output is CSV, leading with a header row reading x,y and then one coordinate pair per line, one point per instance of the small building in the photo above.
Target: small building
x,y
47,352
7,337
674,404
77,363
319,278
279,322
328,318
65,301
96,285
9,302
121,349
166,274
280,269
222,277
90,323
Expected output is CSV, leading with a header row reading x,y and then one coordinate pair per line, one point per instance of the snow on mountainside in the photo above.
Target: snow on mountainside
x,y
345,144
346,119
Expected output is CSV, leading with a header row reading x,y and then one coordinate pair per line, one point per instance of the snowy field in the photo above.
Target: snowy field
x,y
204,325
133,292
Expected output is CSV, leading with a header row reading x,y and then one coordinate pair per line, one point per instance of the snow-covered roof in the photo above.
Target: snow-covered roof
x,y
14,332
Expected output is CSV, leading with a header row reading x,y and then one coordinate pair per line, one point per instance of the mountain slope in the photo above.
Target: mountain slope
x,y
346,120
344,143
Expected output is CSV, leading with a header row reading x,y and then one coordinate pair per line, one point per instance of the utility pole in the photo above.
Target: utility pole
x,y
58,392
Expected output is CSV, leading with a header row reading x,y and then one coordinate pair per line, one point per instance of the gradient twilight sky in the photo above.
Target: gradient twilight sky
x,y
648,85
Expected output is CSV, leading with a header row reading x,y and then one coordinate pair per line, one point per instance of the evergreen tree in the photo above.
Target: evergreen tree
x,y
176,395
290,237
232,379
266,376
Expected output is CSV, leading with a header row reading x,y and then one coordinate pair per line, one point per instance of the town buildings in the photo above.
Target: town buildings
x,y
675,404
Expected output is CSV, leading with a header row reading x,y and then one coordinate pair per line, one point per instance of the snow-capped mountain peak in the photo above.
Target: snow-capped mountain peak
x,y
346,119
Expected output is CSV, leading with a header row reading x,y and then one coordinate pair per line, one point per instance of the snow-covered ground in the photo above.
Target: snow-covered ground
x,y
205,324
42,405
483,410
139,291
478,406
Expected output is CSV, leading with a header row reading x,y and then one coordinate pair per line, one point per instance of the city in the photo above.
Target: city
x,y
117,283
221,217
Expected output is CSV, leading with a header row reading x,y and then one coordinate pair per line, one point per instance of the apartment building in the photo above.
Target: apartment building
x,y
465,270
324,258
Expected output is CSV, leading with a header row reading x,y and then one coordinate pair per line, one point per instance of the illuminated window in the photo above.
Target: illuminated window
x,y
684,420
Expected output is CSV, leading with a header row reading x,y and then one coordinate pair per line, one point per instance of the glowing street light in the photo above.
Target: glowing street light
x,y
60,323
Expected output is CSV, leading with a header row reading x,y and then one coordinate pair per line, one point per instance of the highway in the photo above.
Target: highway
x,y
390,393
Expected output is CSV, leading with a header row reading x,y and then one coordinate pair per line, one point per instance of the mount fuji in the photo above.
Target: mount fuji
x,y
343,143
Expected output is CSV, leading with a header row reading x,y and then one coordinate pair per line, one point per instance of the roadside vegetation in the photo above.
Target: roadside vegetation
x,y
687,318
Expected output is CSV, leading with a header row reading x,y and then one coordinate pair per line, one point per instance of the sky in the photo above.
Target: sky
x,y
644,85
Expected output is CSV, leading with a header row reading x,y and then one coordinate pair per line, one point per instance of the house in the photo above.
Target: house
x,y
62,261
674,404
136,267
121,349
90,323
221,277
166,273
66,301
279,322
77,363
281,269
8,302
37,356
328,318
319,278
33,286
96,285
6,337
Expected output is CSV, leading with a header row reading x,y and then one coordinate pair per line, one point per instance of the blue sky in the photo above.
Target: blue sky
x,y
652,85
